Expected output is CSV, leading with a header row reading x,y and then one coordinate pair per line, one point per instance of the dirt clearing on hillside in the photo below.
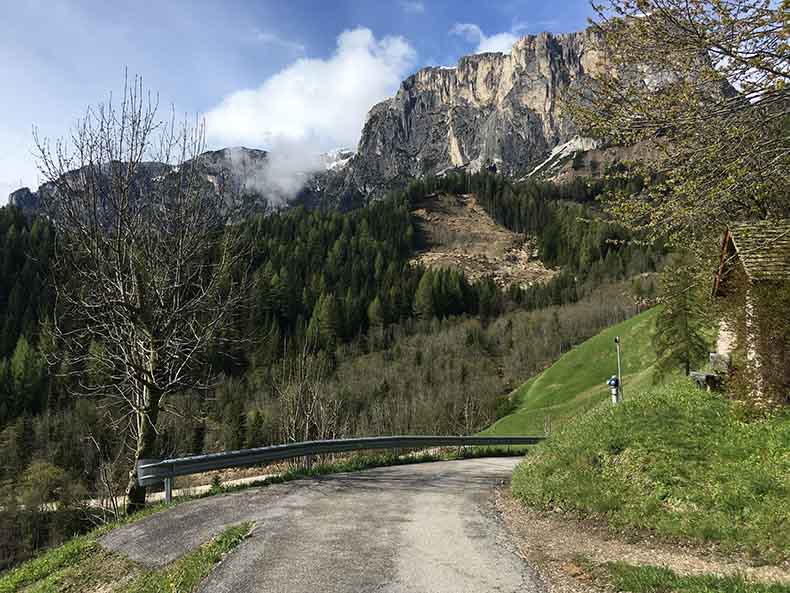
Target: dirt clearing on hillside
x,y
457,233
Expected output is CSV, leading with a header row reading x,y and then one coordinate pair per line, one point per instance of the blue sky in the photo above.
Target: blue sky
x,y
273,74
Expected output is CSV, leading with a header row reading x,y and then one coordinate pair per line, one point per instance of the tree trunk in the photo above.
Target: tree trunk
x,y
146,441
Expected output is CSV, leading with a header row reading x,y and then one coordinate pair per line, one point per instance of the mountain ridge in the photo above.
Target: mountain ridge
x,y
490,109
502,111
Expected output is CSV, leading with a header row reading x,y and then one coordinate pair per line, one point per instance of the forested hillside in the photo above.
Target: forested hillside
x,y
339,322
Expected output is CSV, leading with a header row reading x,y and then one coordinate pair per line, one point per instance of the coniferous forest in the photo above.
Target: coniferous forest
x,y
384,346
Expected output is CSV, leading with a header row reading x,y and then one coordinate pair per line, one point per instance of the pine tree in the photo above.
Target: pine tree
x,y
27,373
376,316
254,429
6,403
423,298
329,321
679,338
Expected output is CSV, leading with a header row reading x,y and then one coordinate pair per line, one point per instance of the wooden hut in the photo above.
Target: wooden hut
x,y
753,286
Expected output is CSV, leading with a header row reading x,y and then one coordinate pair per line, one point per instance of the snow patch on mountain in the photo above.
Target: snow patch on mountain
x,y
565,151
337,159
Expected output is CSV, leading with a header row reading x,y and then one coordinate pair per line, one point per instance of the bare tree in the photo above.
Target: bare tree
x,y
309,408
149,260
109,483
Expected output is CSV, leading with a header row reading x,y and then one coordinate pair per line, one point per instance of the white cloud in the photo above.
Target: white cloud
x,y
324,101
267,37
500,42
413,6
311,106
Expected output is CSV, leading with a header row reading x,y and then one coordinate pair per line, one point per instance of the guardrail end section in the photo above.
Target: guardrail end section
x,y
147,475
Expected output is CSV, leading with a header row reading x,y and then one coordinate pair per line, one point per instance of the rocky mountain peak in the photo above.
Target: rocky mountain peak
x,y
498,108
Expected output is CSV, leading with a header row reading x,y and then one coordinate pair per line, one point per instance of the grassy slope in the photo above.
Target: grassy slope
x,y
673,460
577,381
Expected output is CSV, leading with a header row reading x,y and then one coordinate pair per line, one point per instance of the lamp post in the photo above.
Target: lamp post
x,y
619,372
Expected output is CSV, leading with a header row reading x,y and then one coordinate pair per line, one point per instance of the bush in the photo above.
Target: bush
x,y
676,461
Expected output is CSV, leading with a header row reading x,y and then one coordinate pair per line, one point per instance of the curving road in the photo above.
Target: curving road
x,y
424,528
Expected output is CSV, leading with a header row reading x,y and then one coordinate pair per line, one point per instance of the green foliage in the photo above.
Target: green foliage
x,y
40,483
216,484
674,460
25,295
680,338
423,298
714,129
26,377
376,313
25,299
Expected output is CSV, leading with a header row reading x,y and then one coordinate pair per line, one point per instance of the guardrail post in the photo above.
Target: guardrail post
x,y
168,489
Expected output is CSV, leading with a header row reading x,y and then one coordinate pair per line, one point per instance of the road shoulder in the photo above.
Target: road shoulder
x,y
562,550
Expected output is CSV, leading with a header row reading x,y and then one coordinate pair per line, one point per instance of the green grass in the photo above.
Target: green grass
x,y
48,563
577,381
52,560
186,573
83,565
654,579
676,461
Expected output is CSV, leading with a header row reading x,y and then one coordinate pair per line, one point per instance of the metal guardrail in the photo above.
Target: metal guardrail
x,y
155,471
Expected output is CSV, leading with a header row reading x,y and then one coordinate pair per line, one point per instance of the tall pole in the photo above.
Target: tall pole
x,y
619,372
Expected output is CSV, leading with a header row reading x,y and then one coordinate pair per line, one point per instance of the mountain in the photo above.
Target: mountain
x,y
249,172
25,200
490,109
32,202
239,170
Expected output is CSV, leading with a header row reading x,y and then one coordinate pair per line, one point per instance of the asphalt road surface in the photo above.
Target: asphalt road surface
x,y
423,528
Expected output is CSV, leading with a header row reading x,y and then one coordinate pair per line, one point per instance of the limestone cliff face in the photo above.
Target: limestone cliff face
x,y
491,108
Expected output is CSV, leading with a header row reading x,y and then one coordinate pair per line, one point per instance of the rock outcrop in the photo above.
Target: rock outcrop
x,y
25,200
492,108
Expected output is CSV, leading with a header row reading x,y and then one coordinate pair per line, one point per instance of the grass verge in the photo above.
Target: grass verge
x,y
83,565
366,461
654,579
673,460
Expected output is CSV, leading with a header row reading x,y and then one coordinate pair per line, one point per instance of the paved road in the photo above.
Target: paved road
x,y
425,528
